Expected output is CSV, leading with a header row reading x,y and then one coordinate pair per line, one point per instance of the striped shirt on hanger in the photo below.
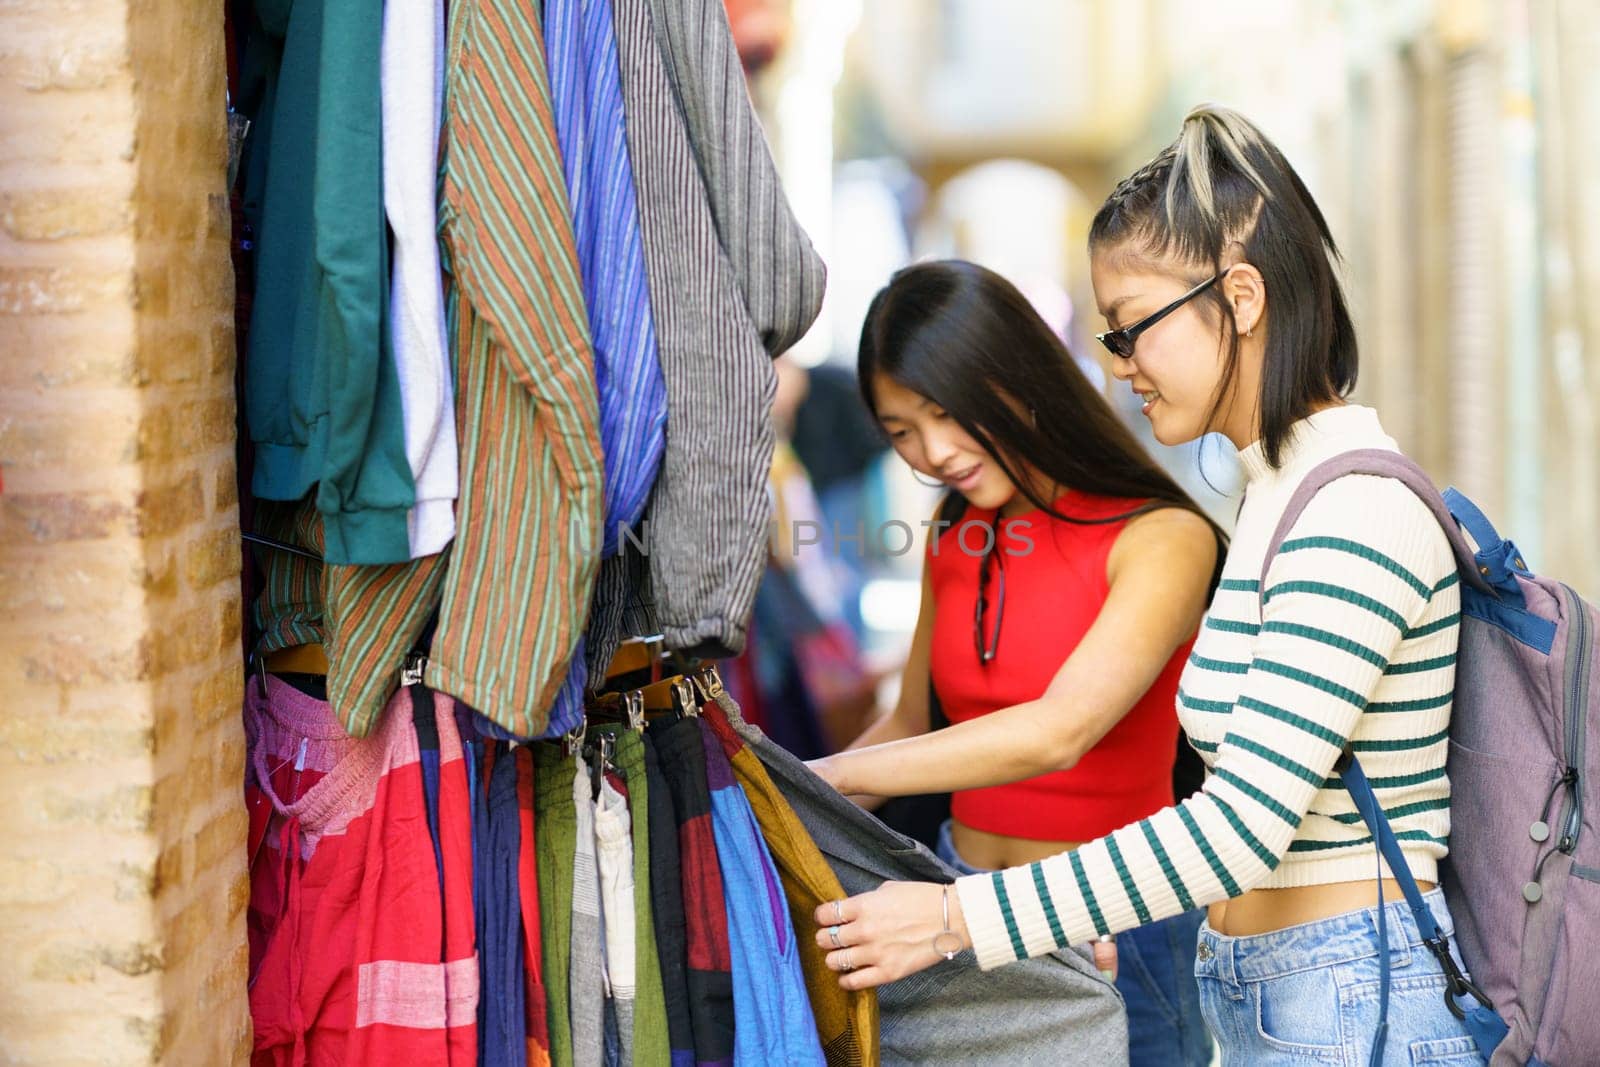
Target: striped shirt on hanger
x,y
513,589
732,281
586,91
587,95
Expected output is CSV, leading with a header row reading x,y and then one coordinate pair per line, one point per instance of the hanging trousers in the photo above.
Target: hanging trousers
x,y
847,1023
555,841
666,904
773,1019
710,960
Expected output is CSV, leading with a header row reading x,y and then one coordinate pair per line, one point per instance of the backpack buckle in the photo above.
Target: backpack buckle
x,y
1457,985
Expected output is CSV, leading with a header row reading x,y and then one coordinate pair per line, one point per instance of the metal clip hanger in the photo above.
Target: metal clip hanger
x,y
709,682
572,740
683,698
411,673
258,666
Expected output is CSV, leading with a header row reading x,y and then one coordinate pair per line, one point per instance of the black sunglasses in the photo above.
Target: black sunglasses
x,y
1120,342
988,644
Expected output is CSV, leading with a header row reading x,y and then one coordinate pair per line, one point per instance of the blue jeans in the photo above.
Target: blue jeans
x,y
1309,994
1155,969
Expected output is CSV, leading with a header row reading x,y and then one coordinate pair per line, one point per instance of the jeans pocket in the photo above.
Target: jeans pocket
x,y
1294,1014
1420,1020
1457,1051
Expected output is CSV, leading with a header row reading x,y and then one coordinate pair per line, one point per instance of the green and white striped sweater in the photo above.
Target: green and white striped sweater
x,y
1354,640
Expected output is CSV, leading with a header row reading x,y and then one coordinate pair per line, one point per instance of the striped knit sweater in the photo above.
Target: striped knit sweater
x,y
1353,641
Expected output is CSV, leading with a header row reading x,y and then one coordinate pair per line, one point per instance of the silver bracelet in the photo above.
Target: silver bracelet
x,y
939,938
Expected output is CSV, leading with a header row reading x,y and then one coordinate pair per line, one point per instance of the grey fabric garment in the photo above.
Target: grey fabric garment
x,y
621,604
779,273
733,281
1049,1010
587,994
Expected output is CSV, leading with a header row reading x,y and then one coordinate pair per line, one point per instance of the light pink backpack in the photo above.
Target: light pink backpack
x,y
1523,875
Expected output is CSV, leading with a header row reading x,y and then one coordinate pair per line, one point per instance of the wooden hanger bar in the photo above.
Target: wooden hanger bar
x,y
301,659
637,654
658,695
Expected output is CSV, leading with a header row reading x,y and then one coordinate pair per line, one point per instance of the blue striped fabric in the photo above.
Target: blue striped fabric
x,y
586,93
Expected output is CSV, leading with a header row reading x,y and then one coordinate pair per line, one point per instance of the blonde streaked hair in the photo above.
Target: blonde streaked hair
x,y
1208,129
1222,193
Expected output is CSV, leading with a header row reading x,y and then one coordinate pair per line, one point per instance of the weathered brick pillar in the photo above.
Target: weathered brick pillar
x,y
122,875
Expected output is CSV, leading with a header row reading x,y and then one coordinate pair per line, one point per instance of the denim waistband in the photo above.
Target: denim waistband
x,y
947,852
1322,943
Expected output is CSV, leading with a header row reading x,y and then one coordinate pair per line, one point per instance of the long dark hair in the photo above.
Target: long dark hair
x,y
964,337
1221,184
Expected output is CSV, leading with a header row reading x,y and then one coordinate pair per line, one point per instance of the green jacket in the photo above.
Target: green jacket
x,y
321,394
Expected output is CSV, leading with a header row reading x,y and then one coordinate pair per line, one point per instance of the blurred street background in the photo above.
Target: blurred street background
x,y
1452,143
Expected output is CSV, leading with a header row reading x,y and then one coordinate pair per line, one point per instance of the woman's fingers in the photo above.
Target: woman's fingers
x,y
834,936
837,912
855,958
866,978
1105,958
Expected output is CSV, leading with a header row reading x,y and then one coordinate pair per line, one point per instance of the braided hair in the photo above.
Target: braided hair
x,y
1221,193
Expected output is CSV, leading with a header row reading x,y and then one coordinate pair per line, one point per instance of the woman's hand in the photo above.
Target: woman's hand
x,y
829,770
884,935
898,929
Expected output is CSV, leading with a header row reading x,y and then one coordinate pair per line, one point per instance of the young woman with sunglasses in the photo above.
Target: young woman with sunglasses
x,y
1216,271
1064,580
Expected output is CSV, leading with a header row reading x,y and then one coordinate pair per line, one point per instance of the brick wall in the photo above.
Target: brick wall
x,y
122,879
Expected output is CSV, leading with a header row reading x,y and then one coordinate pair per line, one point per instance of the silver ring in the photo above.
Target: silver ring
x,y
838,912
847,964
833,932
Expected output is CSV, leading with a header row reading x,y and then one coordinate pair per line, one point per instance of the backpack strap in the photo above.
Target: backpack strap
x,y
1485,1026
1478,1013
1381,463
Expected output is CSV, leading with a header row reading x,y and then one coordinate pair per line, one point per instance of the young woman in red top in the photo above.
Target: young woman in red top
x,y
1058,606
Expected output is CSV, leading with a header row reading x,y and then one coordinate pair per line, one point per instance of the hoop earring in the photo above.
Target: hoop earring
x,y
918,479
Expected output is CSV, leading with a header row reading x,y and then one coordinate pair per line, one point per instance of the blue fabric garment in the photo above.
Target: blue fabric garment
x,y
472,755
493,731
502,1018
480,889
1155,975
586,95
613,1049
771,1009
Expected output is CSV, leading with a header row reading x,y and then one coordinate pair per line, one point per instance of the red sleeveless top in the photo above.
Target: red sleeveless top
x,y
1054,590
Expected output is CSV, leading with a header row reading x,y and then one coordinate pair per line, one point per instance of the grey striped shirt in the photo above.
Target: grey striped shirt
x,y
734,281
